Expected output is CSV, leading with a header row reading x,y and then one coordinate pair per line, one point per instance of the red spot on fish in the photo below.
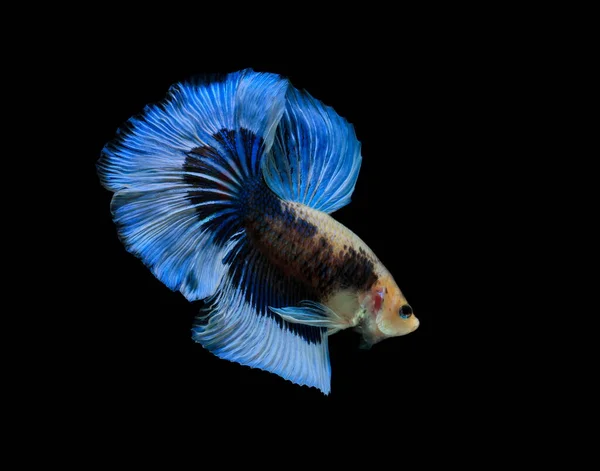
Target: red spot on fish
x,y
378,300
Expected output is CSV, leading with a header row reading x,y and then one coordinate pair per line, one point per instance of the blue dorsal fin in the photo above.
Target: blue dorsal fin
x,y
315,158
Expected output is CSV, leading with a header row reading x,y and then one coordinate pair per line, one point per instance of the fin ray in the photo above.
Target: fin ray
x,y
239,326
179,169
315,158
313,314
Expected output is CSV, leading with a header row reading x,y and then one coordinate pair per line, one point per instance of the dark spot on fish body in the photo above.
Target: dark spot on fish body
x,y
291,243
312,259
357,270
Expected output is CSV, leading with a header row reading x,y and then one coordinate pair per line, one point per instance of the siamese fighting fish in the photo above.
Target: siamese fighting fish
x,y
224,190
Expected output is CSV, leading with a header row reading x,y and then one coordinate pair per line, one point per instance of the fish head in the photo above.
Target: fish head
x,y
386,312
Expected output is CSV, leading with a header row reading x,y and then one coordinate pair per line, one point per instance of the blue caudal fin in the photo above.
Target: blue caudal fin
x,y
178,171
315,158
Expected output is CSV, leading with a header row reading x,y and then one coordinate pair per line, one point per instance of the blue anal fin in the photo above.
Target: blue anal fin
x,y
239,326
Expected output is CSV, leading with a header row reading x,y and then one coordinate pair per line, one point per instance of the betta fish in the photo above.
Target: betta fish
x,y
224,190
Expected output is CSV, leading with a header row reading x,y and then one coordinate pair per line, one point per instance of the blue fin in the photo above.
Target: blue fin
x,y
179,170
239,326
314,314
315,158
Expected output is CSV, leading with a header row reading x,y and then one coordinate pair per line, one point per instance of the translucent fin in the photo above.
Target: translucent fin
x,y
239,326
164,231
179,171
314,314
315,158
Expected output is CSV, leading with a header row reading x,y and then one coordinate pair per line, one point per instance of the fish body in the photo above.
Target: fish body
x,y
225,192
332,263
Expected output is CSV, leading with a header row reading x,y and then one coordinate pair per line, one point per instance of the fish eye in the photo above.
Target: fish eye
x,y
406,311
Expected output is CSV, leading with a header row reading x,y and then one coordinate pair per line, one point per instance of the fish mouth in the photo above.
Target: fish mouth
x,y
416,326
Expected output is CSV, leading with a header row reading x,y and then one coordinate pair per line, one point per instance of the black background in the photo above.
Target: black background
x,y
424,120
459,113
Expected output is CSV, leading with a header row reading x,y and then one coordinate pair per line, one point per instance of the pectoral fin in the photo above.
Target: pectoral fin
x,y
313,314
